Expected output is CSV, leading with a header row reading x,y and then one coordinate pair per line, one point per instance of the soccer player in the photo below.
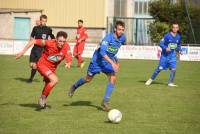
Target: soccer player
x,y
170,44
104,60
39,32
81,36
54,52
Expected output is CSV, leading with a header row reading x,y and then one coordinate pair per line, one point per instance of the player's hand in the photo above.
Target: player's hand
x,y
67,65
18,55
168,49
115,67
79,41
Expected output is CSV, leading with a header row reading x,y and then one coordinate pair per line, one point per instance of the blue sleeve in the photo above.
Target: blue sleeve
x,y
162,43
124,40
104,45
178,49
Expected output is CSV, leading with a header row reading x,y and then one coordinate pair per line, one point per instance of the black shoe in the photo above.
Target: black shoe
x,y
71,91
29,81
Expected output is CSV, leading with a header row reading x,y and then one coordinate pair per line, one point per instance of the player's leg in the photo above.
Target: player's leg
x,y
109,90
162,65
34,57
79,56
92,71
33,67
75,51
50,80
172,73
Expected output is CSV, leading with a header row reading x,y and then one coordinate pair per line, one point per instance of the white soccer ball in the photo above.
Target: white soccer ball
x,y
114,116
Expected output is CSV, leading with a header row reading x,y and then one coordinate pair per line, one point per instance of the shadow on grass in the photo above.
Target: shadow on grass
x,y
154,82
34,106
84,103
25,79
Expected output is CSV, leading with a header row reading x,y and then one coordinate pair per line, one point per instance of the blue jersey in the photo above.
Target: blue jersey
x,y
172,42
109,46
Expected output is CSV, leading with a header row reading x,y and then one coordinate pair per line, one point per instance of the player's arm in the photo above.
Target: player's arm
x,y
51,34
178,49
68,57
38,42
33,33
162,44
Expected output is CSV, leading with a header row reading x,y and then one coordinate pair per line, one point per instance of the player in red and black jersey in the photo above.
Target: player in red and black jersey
x,y
54,52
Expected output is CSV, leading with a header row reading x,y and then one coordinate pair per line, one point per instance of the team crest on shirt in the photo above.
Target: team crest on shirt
x,y
56,57
44,36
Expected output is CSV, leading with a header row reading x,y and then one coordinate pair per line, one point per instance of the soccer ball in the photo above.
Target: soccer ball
x,y
114,116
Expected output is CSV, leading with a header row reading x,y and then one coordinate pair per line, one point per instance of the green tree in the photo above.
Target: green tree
x,y
166,13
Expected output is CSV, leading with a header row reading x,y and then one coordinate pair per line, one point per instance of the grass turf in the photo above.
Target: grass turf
x,y
156,109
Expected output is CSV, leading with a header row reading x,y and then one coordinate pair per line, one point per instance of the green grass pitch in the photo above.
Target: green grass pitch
x,y
156,109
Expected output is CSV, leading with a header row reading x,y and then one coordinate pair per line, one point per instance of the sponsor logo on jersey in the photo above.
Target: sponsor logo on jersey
x,y
112,49
172,45
56,57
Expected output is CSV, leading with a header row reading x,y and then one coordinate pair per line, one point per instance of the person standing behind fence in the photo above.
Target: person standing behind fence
x,y
39,32
81,36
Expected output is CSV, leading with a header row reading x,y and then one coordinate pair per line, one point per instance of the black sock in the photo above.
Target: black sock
x,y
33,72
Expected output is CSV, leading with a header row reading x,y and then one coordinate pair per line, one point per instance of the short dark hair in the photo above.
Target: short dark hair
x,y
175,23
120,23
61,34
43,16
80,20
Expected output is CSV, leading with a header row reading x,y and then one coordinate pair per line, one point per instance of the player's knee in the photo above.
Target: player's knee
x,y
54,81
113,79
88,79
34,66
173,69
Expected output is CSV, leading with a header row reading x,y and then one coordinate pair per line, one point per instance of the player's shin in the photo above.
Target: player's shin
x,y
108,92
156,72
79,83
172,75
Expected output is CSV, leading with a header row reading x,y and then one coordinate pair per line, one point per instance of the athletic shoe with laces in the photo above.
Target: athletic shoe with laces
x,y
71,91
172,85
106,105
42,101
148,82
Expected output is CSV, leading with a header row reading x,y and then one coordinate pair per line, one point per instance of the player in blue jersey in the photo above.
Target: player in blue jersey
x,y
104,60
170,44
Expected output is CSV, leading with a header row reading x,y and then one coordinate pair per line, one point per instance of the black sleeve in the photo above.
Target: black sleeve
x,y
33,33
51,34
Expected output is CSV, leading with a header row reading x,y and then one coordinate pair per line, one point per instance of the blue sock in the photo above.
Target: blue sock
x,y
79,83
108,92
156,72
172,75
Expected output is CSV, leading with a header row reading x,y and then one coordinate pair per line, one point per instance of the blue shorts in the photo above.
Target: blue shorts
x,y
167,62
94,69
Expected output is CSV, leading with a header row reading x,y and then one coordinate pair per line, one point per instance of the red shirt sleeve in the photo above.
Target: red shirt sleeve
x,y
85,35
68,54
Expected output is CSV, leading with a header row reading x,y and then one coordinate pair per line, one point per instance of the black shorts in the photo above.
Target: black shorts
x,y
36,53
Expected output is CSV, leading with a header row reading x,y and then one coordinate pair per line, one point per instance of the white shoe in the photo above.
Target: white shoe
x,y
148,82
172,85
